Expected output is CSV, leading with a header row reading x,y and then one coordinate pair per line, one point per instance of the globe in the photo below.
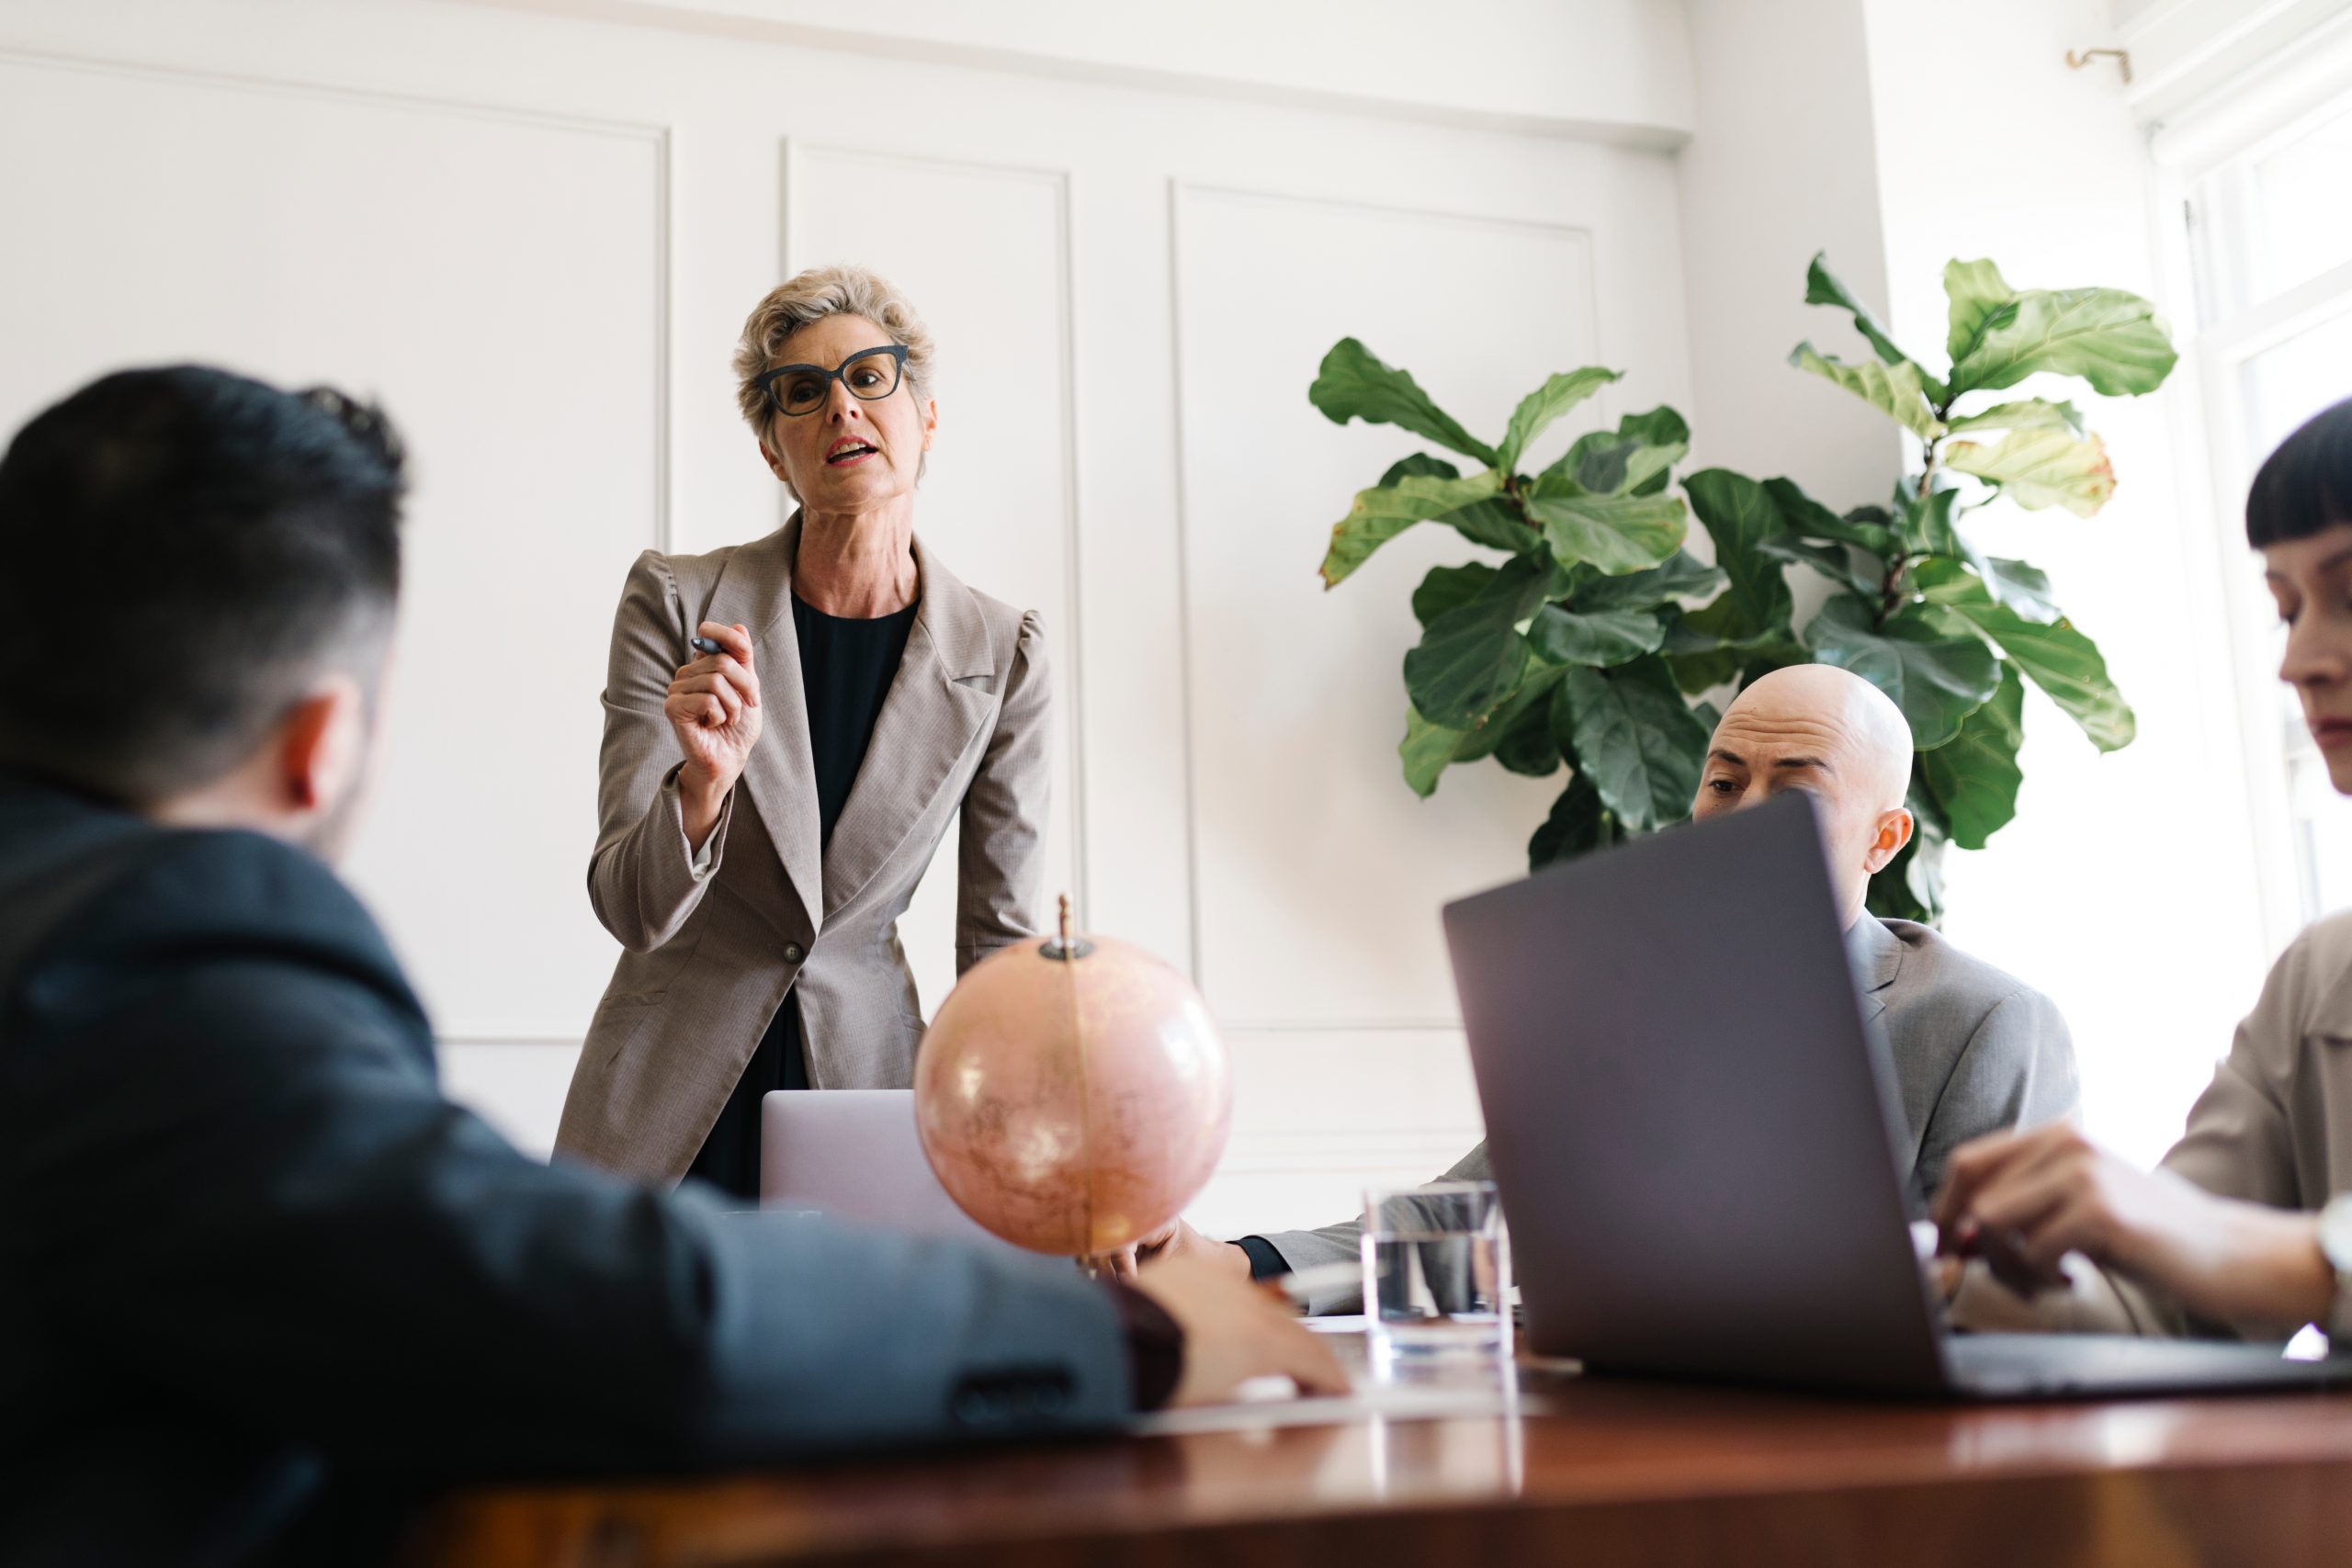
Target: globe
x,y
1072,1094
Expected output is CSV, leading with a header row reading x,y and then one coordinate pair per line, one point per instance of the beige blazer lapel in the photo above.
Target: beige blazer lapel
x,y
1875,956
755,590
928,719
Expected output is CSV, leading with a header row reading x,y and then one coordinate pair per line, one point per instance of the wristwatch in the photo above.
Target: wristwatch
x,y
2335,1246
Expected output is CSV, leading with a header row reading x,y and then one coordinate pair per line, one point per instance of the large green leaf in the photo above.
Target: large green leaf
x,y
1956,583
1683,575
1385,511
1823,287
2068,668
1898,391
1471,657
1631,459
1425,751
2040,467
1634,736
1531,703
1490,522
1607,636
1937,672
2053,655
1928,525
1865,525
1978,293
1703,655
2032,413
1975,773
1354,383
1833,561
1578,824
1536,411
1449,588
2022,587
1739,514
2108,336
1518,734
1523,742
1617,533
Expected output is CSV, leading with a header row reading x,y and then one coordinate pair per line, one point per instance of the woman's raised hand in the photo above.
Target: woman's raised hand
x,y
714,708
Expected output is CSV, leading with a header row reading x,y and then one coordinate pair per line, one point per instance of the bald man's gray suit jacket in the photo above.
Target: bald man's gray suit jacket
x,y
1975,1051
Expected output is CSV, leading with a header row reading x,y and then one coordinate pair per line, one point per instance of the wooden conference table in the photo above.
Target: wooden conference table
x,y
1558,1468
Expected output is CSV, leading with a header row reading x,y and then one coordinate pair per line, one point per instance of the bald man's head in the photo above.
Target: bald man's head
x,y
1827,730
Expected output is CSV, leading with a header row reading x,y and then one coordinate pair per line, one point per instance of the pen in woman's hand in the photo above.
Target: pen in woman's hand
x,y
703,645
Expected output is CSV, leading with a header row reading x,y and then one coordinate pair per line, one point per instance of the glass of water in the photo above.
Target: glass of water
x,y
1436,1271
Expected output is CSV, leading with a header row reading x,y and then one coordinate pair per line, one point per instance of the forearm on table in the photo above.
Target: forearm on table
x,y
2248,1264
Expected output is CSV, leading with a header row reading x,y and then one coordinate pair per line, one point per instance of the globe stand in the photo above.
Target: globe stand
x,y
1063,949
1067,949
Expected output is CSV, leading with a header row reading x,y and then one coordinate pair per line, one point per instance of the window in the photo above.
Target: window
x,y
2270,249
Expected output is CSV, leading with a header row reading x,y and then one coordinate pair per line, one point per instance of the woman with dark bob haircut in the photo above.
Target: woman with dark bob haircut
x,y
2245,1227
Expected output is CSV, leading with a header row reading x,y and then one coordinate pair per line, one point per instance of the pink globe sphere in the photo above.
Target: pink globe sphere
x,y
1073,1104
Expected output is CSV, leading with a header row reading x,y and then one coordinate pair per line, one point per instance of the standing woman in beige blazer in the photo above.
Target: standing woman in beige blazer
x,y
768,802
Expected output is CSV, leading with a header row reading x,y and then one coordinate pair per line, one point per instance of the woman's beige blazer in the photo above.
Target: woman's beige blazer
x,y
711,955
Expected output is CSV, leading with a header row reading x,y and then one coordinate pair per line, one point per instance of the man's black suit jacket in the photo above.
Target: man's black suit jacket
x,y
253,1265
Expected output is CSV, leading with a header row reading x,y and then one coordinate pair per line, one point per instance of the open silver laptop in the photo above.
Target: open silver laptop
x,y
1696,1136
854,1153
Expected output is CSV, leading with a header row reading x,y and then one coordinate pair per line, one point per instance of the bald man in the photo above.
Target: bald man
x,y
1974,1050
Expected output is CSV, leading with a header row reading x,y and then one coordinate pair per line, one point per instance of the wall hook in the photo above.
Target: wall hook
x,y
2123,58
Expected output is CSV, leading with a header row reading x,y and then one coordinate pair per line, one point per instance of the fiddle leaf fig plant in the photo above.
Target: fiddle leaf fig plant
x,y
1553,655
1592,643
1951,634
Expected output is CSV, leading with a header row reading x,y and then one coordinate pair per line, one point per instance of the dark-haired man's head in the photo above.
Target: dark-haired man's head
x,y
2299,514
197,600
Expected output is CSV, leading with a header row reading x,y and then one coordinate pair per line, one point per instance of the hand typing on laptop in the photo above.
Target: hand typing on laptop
x,y
2024,1201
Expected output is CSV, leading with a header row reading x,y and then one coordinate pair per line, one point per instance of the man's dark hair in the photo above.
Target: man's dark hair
x,y
2306,487
182,552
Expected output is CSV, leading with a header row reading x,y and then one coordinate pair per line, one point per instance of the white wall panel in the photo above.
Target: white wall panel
x,y
497,279
1319,873
1321,1115
983,252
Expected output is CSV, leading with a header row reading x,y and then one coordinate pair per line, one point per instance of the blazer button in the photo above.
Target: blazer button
x,y
794,952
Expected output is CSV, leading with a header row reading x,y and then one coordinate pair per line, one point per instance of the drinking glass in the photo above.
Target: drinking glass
x,y
1436,1271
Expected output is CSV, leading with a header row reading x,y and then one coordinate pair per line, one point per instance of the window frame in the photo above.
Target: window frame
x,y
2235,124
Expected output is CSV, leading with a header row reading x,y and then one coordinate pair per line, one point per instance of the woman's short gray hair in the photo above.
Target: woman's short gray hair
x,y
812,295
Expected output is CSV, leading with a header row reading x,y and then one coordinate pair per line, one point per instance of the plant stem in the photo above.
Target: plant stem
x,y
1928,470
1892,596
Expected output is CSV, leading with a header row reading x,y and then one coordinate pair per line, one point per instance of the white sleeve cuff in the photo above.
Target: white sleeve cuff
x,y
703,861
